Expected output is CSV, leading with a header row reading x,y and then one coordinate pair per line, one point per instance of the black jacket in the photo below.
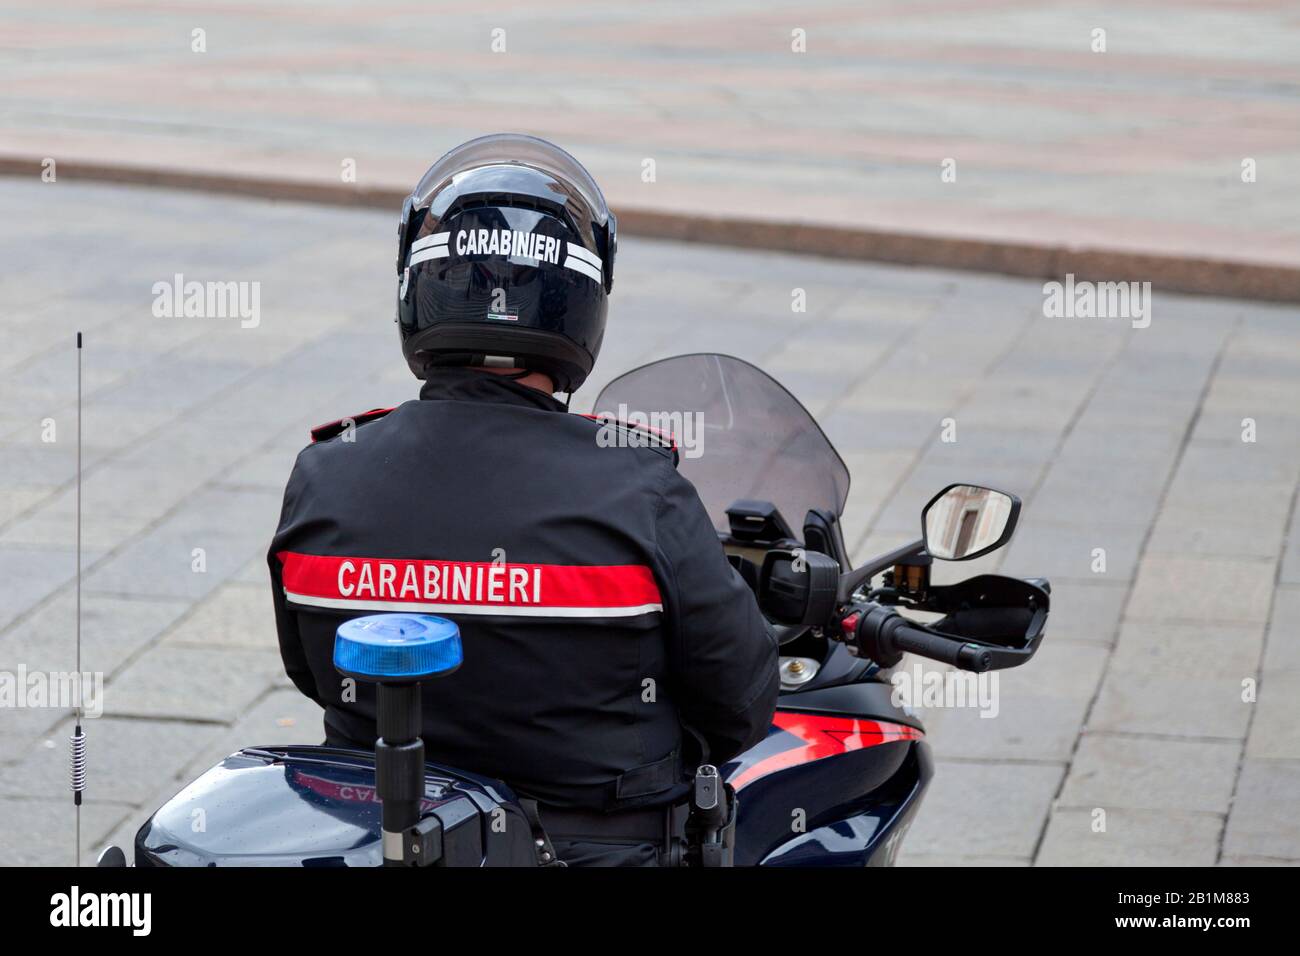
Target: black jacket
x,y
597,610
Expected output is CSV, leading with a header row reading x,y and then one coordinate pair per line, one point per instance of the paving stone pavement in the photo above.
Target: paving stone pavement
x,y
1163,703
1050,140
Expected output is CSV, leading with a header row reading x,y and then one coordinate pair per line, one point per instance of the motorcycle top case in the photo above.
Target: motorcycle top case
x,y
317,806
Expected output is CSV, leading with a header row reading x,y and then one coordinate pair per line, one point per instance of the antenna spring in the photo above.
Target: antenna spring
x,y
77,764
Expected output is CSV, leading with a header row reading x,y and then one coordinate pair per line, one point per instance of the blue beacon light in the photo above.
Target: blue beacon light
x,y
397,648
397,652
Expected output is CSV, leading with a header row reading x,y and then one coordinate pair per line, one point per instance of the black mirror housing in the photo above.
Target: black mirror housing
x,y
796,586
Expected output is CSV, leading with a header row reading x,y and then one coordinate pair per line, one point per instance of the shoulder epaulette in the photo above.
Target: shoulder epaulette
x,y
330,429
635,434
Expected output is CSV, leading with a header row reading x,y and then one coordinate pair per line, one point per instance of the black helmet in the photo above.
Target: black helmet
x,y
505,256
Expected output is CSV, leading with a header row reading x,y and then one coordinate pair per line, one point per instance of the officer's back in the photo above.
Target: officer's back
x,y
598,613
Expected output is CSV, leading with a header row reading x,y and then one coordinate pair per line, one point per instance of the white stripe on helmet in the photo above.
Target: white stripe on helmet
x,y
433,252
585,254
437,239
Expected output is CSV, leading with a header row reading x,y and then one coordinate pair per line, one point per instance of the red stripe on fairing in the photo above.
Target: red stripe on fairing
x,y
547,585
822,737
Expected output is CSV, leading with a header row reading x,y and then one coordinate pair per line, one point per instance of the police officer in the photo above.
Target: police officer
x,y
609,645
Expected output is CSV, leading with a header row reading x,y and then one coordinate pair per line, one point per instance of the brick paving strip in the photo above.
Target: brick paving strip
x,y
1118,165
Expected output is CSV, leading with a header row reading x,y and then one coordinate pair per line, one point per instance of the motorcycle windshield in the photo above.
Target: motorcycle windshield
x,y
739,434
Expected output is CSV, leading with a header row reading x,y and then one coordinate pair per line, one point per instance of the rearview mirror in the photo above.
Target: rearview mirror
x,y
965,521
798,587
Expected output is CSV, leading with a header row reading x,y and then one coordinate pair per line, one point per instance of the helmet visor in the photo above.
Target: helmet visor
x,y
514,149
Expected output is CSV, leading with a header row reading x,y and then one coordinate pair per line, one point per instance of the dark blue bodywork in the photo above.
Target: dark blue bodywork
x,y
850,807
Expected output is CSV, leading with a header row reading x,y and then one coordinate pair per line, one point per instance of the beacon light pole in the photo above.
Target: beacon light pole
x,y
397,652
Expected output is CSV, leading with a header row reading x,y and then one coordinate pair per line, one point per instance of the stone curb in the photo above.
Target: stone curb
x,y
1220,277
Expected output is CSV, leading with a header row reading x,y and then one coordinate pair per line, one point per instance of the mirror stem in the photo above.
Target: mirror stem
x,y
850,581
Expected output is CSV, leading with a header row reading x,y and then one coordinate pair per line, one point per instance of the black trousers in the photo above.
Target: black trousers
x,y
583,853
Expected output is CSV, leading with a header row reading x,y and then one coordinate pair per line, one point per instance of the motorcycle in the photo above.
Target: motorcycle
x,y
844,768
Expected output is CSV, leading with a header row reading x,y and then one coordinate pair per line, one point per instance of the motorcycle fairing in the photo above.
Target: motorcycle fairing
x,y
816,737
836,771
870,835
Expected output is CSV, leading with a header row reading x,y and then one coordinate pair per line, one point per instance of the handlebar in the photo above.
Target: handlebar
x,y
968,657
885,635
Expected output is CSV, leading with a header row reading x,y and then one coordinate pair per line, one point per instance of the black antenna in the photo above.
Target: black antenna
x,y
78,739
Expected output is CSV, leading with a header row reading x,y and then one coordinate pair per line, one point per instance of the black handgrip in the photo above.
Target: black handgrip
x,y
946,650
884,635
